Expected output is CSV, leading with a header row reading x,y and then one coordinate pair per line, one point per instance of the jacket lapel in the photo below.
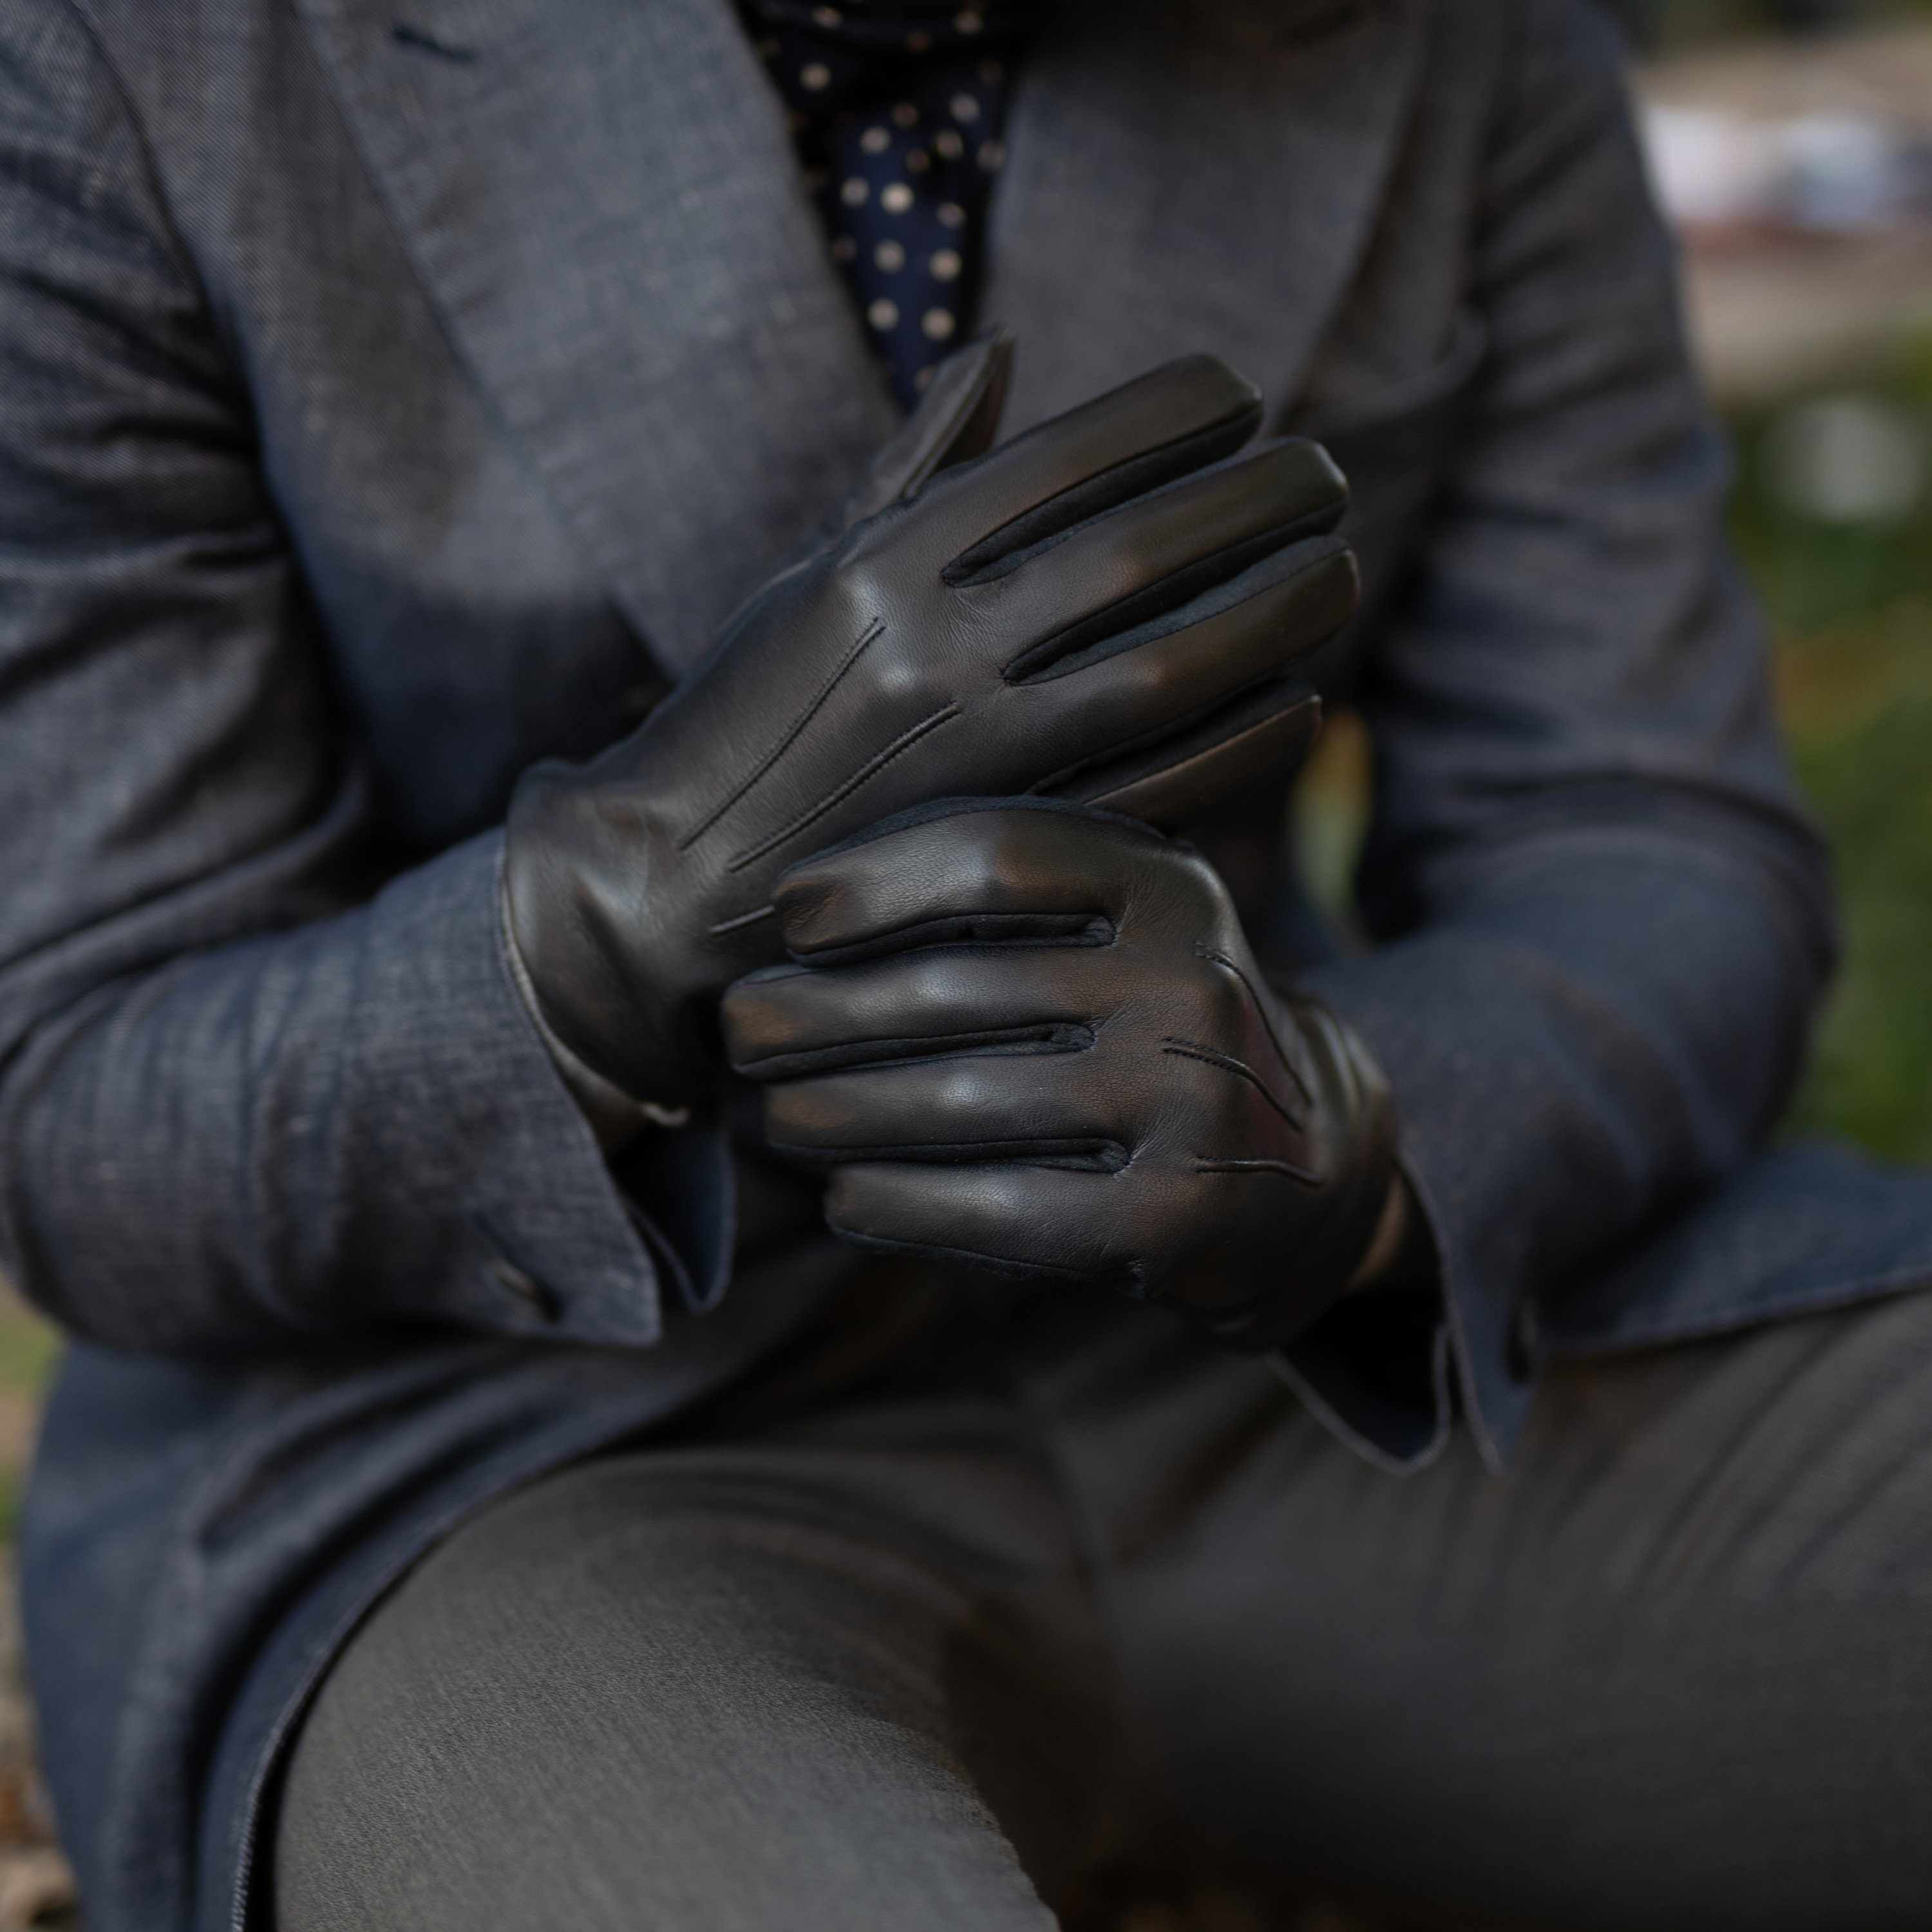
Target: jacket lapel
x,y
1202,176
601,197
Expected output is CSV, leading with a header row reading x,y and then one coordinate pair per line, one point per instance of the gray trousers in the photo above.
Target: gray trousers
x,y
985,1597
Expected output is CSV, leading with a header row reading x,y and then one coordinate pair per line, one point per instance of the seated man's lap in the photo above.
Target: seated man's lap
x,y
783,1667
1096,1589
1668,1672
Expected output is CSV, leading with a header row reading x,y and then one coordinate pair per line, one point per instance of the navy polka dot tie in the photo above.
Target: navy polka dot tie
x,y
897,108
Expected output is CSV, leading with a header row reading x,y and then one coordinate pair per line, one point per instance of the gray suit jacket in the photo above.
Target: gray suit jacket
x,y
387,399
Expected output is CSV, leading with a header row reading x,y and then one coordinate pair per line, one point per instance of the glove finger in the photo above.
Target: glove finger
x,y
1165,676
956,420
1175,420
789,1023
1149,557
1261,738
1014,1219
963,868
1047,1102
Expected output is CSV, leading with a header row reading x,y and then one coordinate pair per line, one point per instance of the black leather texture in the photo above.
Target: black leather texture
x,y
1108,608
1033,1037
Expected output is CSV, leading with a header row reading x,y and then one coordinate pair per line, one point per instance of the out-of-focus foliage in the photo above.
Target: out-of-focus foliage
x,y
1832,517
1660,25
1849,595
28,1347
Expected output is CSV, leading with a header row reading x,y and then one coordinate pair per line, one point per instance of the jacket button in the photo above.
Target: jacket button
x,y
1525,1339
525,1287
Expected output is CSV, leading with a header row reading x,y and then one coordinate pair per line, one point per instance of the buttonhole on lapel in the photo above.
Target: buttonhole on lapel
x,y
525,1287
507,1274
404,35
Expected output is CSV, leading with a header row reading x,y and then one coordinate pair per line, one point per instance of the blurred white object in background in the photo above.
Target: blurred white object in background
x,y
1799,173
1711,169
1841,173
1847,459
1831,173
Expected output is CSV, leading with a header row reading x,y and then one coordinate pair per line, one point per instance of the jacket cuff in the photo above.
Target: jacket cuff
x,y
1416,1003
1376,1369
548,1239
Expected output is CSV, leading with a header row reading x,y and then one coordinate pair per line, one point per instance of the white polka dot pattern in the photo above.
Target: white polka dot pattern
x,y
896,108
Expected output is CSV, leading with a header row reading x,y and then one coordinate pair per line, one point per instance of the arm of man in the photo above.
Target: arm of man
x,y
1606,922
245,1097
247,1100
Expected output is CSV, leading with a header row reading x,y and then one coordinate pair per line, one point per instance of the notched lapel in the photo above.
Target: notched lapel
x,y
1188,174
602,199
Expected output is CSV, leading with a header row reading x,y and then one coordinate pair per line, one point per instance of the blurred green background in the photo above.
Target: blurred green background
x,y
1848,587
1667,25
1832,518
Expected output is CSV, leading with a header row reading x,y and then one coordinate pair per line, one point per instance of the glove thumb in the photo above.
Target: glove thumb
x,y
957,419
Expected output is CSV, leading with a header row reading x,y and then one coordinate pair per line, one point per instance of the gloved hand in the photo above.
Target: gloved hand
x,y
1032,1036
1090,610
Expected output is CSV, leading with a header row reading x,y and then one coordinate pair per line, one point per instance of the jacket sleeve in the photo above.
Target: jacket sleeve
x,y
1605,921
245,1096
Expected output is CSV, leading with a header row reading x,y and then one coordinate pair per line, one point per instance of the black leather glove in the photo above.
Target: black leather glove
x,y
1091,610
1032,1036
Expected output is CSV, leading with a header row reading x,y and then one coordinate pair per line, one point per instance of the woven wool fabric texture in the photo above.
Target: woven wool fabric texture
x,y
364,408
897,112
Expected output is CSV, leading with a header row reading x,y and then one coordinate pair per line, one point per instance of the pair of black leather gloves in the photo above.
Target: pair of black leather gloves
x,y
897,846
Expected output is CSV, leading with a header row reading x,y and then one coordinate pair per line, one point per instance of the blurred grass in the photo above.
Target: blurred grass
x,y
29,1347
1851,608
1667,25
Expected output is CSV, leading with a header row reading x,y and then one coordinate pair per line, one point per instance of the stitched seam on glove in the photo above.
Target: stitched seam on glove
x,y
837,797
869,636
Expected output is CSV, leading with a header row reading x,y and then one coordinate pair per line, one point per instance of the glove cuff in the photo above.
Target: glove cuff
x,y
615,1118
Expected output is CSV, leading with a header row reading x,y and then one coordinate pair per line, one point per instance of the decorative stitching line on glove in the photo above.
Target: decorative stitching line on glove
x,y
1107,607
1032,1036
